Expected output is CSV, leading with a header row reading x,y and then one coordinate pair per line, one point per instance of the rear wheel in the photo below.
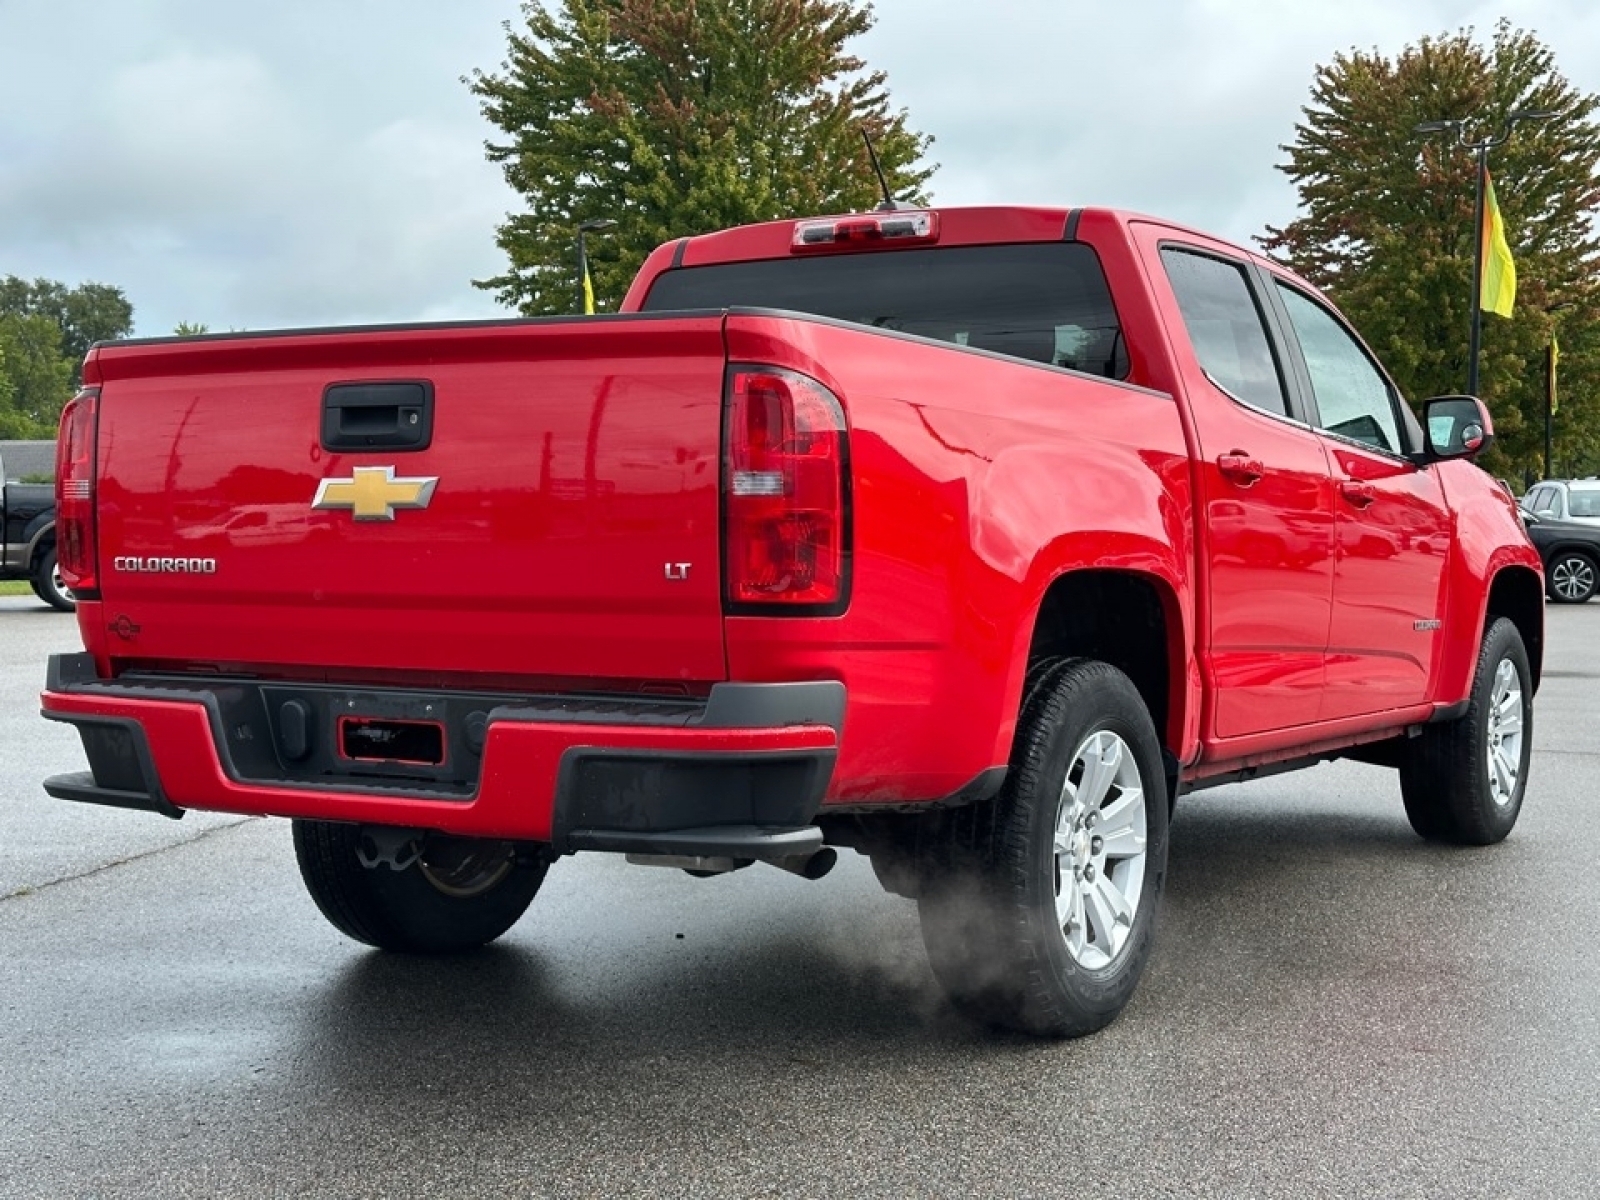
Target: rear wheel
x,y
47,583
456,894
1463,781
1572,577
1043,917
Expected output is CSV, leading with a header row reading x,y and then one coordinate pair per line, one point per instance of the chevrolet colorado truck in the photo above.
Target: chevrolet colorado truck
x,y
28,539
968,539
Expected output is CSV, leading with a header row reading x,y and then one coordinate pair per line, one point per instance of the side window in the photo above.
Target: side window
x,y
1584,502
1354,400
1226,328
1544,501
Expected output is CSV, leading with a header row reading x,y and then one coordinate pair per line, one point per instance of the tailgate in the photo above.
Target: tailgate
x,y
562,519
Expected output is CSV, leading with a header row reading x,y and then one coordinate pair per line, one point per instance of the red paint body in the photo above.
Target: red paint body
x,y
578,466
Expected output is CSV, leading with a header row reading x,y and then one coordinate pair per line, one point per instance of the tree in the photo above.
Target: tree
x,y
1386,227
677,117
35,380
86,314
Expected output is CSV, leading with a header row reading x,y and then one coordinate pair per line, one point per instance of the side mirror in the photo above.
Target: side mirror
x,y
1456,427
1527,517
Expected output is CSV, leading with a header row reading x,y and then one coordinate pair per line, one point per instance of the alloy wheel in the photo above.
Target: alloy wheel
x,y
1100,846
1505,733
1572,578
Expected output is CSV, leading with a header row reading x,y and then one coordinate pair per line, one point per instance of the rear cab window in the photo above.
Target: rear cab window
x,y
1226,328
1043,301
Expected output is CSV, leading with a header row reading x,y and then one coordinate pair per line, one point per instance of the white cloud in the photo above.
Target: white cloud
x,y
320,161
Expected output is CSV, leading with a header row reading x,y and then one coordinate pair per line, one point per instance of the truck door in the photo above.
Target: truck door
x,y
1392,527
1266,499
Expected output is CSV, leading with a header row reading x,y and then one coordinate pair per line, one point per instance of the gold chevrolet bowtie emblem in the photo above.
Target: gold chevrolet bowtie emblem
x,y
373,493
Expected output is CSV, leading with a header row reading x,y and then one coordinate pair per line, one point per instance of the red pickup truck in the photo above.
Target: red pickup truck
x,y
966,538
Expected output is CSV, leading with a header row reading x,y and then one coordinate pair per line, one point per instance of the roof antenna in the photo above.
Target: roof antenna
x,y
890,204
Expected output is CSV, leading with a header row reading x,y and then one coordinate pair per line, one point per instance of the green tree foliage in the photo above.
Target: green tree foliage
x,y
35,378
86,314
1386,228
46,328
676,117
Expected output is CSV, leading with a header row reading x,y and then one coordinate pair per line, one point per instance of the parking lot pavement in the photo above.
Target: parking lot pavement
x,y
1334,1009
43,840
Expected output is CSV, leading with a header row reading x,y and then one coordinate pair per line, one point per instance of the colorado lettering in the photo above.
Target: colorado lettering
x,y
166,566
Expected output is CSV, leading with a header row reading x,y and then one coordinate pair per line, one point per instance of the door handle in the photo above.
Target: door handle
x,y
1357,493
1240,467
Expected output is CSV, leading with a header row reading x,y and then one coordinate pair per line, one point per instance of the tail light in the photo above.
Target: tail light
x,y
786,489
76,539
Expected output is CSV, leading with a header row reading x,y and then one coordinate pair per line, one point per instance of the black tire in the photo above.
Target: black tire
x,y
1572,577
46,583
421,909
991,917
1451,792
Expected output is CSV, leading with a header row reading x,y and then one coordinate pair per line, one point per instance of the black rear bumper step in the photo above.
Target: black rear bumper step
x,y
81,787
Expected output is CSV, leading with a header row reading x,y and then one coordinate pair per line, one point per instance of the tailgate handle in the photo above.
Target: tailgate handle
x,y
377,416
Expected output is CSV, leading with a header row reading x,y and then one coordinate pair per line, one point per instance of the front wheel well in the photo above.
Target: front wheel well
x,y
1515,594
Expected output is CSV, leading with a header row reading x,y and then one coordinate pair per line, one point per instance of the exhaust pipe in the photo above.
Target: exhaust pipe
x,y
809,866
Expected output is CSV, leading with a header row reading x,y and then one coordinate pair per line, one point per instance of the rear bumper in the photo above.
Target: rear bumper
x,y
749,764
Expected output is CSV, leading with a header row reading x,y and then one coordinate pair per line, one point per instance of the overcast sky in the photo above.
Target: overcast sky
x,y
296,162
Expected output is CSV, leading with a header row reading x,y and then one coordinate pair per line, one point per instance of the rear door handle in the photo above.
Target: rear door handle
x,y
1357,493
1240,467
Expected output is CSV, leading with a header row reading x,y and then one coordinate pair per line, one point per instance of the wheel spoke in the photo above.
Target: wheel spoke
x,y
1125,843
1508,712
1069,911
1099,769
1121,825
1504,775
1108,911
1506,765
1509,718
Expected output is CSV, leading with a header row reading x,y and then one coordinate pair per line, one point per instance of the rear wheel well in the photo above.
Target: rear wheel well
x,y
1515,594
1116,618
42,547
1110,616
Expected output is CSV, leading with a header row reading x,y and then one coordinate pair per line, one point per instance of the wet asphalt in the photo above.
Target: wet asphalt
x,y
1333,1009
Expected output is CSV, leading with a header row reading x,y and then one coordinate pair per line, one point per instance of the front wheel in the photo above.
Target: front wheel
x,y
1463,781
1572,578
1043,916
457,894
47,583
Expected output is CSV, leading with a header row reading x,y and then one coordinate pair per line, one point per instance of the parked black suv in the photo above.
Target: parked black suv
x,y
28,539
1563,519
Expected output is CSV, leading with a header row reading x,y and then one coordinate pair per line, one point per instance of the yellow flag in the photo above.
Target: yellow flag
x,y
588,292
1499,272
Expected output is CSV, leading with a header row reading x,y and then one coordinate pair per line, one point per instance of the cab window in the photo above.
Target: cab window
x,y
1353,398
1226,329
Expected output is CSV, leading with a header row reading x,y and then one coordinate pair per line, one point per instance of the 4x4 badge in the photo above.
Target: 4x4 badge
x,y
373,493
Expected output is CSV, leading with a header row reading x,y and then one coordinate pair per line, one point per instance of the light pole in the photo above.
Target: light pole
x,y
1480,149
585,288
